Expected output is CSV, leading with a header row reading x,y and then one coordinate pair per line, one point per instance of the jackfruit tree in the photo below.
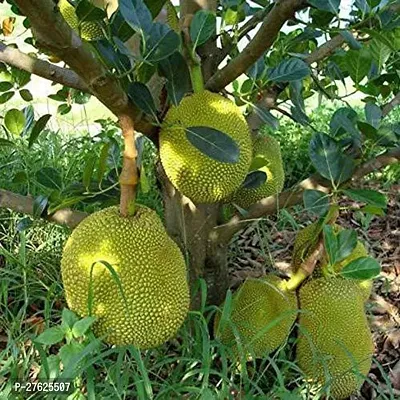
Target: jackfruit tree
x,y
204,84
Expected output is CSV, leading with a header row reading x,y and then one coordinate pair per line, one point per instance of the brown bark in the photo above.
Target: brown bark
x,y
66,44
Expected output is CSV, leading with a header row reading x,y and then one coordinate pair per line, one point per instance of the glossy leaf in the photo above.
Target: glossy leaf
x,y
4,97
316,202
136,14
141,96
86,11
330,243
266,116
358,63
346,243
331,6
342,121
175,69
14,121
26,94
289,70
88,171
202,27
213,143
368,196
328,159
39,205
49,177
254,180
362,268
351,40
40,124
373,114
5,86
380,52
80,327
160,43
102,164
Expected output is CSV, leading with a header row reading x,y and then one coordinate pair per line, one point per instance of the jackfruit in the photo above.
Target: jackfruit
x,y
267,152
262,314
88,30
335,346
197,176
149,300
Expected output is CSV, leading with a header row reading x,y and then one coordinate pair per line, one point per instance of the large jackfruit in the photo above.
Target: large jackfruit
x,y
150,300
262,314
335,346
267,152
88,30
197,176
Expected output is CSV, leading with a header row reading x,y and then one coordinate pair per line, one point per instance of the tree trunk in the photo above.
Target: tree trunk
x,y
189,225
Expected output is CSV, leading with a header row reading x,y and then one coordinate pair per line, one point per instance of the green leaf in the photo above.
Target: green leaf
x,y
346,243
26,95
373,114
213,143
331,6
202,27
49,177
64,109
368,196
38,128
289,70
350,40
86,11
381,36
140,94
329,160
80,327
5,86
39,205
24,224
51,336
69,354
316,202
373,210
88,171
380,52
155,6
330,243
6,96
358,63
266,116
343,120
20,177
175,69
161,41
14,121
254,180
5,142
136,14
362,268
102,165
368,130
68,317
258,162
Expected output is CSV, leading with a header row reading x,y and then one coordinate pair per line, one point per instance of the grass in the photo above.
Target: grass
x,y
194,365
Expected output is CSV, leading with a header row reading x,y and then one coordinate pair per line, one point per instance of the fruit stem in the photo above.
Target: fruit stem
x,y
196,77
128,179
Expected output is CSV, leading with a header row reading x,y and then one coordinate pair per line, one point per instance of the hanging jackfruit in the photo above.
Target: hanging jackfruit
x,y
262,314
200,178
335,346
131,275
267,159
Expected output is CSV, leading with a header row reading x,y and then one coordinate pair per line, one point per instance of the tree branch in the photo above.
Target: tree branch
x,y
395,102
24,205
53,33
44,69
282,11
272,204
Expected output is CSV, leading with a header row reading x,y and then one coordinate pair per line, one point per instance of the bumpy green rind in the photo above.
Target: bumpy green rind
x,y
199,177
268,148
88,30
335,346
263,312
151,271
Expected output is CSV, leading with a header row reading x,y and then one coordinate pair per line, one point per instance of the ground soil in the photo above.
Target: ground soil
x,y
266,247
